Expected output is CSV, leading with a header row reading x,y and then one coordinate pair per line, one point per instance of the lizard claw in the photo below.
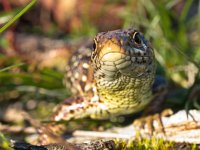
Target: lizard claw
x,y
152,124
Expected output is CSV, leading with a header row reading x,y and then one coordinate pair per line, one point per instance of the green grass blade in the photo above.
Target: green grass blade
x,y
10,67
185,10
24,10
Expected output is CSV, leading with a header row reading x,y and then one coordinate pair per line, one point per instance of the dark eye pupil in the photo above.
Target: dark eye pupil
x,y
94,46
137,38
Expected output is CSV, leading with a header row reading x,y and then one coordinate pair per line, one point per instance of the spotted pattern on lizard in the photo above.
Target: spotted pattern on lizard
x,y
113,78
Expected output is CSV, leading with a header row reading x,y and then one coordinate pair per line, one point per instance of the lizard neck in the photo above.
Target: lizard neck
x,y
125,91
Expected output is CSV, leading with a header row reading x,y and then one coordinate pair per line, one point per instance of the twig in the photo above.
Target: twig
x,y
60,142
93,145
95,134
178,128
17,129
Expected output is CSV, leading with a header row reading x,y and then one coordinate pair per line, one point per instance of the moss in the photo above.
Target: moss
x,y
151,144
4,143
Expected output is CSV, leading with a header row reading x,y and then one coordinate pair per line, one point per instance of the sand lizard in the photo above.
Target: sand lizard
x,y
113,78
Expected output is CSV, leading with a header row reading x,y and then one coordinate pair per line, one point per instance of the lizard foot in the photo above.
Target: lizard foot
x,y
152,124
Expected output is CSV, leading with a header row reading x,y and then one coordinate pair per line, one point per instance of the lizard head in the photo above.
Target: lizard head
x,y
122,52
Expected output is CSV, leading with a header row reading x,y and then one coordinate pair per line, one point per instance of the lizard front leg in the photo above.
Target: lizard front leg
x,y
71,108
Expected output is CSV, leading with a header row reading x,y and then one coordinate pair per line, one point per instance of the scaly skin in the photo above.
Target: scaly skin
x,y
115,78
112,79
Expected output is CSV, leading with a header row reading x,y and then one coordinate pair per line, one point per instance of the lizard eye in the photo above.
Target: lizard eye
x,y
137,38
94,46
94,49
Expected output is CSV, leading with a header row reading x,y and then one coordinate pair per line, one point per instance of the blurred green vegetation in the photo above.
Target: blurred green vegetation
x,y
173,31
4,143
